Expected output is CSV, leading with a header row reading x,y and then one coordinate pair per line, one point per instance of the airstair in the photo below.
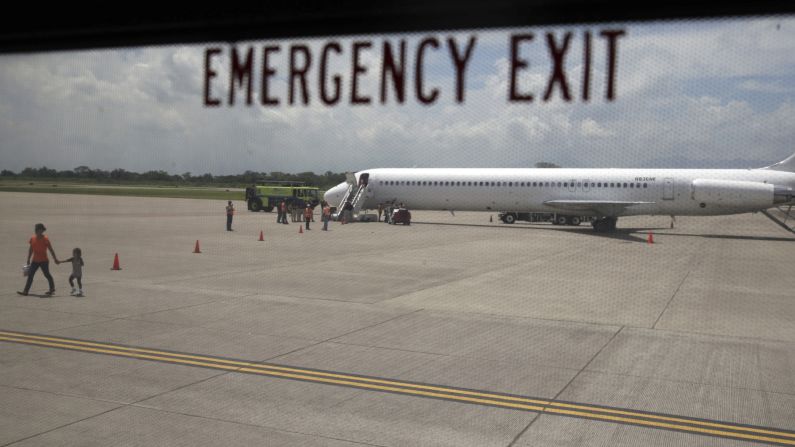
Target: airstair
x,y
356,195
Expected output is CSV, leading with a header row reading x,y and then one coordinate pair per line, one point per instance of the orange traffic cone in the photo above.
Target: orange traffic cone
x,y
261,239
650,239
116,263
197,250
300,230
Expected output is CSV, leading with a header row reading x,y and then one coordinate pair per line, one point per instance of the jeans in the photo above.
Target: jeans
x,y
228,222
45,268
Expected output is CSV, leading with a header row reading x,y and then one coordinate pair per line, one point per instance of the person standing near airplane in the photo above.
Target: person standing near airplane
x,y
39,245
308,215
326,215
283,211
230,212
251,193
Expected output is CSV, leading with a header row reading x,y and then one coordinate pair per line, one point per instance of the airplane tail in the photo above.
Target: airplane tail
x,y
787,164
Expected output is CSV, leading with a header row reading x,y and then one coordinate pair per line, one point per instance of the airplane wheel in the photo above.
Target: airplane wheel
x,y
575,221
561,220
509,218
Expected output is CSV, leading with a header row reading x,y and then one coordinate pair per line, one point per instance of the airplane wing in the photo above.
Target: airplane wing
x,y
601,207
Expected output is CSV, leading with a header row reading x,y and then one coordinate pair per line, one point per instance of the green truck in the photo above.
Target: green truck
x,y
267,195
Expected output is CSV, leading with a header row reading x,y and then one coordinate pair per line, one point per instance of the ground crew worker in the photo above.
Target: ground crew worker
x,y
326,215
251,192
283,208
380,210
347,212
230,211
308,215
295,213
39,244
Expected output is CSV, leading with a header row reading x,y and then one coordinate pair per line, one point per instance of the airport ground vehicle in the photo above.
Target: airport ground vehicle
x,y
267,195
399,216
510,217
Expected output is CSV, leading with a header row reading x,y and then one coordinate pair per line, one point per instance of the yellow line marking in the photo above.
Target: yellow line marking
x,y
274,373
411,385
406,388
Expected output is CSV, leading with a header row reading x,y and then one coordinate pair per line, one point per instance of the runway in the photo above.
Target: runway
x,y
478,397
452,331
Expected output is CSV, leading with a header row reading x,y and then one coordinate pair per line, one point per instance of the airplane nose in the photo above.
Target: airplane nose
x,y
334,195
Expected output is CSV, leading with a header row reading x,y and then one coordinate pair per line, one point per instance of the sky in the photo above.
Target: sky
x,y
706,94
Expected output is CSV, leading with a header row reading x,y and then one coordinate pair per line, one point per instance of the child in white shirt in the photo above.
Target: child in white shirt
x,y
77,272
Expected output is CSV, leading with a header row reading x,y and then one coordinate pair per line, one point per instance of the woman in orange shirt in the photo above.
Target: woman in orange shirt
x,y
39,244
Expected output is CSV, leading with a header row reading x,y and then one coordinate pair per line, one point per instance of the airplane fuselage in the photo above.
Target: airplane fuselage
x,y
594,192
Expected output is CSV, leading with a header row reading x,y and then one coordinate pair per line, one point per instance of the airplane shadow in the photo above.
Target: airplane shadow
x,y
624,234
736,237
620,234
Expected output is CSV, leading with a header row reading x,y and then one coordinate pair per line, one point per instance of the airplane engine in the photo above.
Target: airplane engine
x,y
783,194
738,194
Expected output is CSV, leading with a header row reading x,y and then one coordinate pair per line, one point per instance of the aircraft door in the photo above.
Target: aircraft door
x,y
668,189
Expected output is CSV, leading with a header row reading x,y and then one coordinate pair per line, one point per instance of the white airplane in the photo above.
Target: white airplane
x,y
605,194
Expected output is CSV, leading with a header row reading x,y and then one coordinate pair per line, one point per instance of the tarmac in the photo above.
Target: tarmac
x,y
451,331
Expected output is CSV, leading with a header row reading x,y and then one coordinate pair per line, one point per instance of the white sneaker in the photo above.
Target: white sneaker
x,y
79,292
74,291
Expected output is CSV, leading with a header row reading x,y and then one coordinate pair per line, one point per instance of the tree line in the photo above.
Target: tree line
x,y
159,177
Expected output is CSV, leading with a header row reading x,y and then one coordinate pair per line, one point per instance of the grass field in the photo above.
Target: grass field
x,y
126,190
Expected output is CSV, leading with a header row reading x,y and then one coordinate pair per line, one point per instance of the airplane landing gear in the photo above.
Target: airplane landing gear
x,y
605,224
